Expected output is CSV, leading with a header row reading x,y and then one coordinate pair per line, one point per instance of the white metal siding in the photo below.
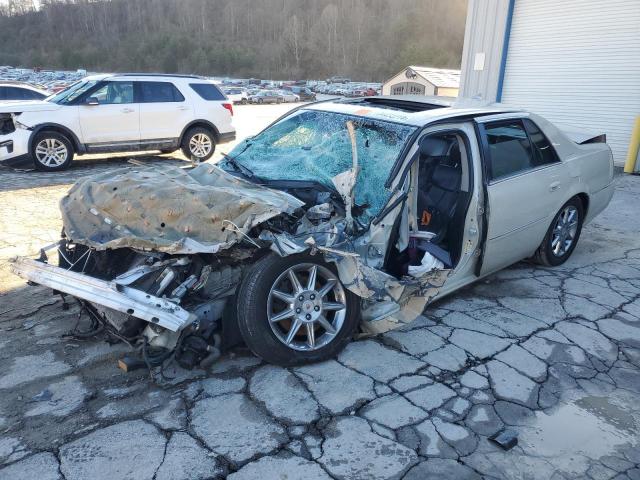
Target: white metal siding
x,y
577,62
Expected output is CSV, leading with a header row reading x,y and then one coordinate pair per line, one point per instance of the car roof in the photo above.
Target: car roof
x,y
144,76
416,110
27,86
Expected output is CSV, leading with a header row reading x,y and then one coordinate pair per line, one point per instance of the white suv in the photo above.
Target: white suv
x,y
110,113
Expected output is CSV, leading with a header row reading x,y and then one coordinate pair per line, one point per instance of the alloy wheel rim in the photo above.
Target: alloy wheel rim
x,y
306,307
200,145
564,231
51,152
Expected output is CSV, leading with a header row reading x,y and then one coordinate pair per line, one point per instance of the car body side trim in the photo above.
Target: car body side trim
x,y
124,299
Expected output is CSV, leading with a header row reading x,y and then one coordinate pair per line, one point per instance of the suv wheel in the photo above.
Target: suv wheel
x,y
198,144
52,151
295,310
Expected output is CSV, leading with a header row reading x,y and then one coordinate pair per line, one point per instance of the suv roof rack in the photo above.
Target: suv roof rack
x,y
170,75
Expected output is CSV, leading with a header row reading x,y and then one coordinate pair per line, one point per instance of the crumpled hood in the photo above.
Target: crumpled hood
x,y
27,106
168,209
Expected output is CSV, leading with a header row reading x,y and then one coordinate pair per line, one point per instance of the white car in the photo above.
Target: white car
x,y
110,113
341,215
12,91
237,95
288,97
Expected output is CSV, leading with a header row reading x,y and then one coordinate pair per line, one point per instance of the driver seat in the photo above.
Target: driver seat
x,y
439,181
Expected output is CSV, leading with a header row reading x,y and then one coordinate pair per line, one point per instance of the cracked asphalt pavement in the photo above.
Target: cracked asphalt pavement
x,y
550,354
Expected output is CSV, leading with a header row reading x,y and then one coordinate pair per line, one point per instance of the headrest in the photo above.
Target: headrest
x,y
433,147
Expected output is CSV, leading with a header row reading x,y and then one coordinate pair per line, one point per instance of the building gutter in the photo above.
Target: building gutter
x,y
505,50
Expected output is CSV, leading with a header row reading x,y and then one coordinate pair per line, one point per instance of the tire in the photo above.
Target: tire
x,y
554,250
52,151
260,101
194,144
257,304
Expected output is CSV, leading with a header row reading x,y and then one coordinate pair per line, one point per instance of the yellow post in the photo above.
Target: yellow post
x,y
634,145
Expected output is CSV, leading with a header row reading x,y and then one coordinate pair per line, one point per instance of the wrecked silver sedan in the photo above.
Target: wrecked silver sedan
x,y
340,217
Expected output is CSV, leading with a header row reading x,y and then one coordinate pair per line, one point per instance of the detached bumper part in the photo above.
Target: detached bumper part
x,y
14,146
8,144
124,299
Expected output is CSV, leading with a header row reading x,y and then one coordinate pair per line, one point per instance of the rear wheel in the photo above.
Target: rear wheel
x,y
198,144
52,151
563,234
295,310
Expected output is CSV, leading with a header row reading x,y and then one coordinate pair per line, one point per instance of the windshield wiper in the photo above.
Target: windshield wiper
x,y
238,166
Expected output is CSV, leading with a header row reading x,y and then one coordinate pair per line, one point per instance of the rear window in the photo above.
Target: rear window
x,y
544,152
207,91
159,92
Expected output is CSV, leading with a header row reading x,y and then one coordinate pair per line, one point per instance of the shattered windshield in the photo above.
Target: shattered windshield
x,y
315,146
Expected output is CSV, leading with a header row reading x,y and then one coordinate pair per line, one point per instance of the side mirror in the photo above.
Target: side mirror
x,y
91,101
433,147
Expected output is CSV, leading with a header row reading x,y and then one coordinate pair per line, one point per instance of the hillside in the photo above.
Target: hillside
x,y
363,39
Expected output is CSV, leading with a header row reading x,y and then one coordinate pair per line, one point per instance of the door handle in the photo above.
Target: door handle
x,y
554,186
183,108
127,110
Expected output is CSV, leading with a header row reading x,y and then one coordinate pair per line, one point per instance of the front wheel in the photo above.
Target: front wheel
x,y
52,151
198,144
563,234
295,310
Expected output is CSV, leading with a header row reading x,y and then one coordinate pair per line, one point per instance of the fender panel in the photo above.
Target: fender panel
x,y
77,145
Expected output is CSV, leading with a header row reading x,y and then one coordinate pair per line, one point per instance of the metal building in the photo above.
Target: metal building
x,y
415,80
577,62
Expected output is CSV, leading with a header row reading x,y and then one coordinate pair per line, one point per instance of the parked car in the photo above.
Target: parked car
x,y
266,96
237,95
10,91
109,113
338,79
288,97
329,220
305,94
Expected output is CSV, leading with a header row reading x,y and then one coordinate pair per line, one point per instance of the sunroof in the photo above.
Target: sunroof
x,y
398,104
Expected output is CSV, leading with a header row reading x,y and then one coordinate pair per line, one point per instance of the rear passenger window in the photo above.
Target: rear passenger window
x,y
208,91
544,152
159,92
13,93
509,149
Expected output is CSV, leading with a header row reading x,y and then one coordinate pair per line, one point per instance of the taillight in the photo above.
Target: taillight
x,y
229,107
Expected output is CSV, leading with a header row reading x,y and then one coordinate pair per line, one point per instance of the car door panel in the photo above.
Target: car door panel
x,y
110,123
115,119
163,111
522,200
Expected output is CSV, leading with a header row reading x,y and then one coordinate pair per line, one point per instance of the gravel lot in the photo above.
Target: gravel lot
x,y
551,354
